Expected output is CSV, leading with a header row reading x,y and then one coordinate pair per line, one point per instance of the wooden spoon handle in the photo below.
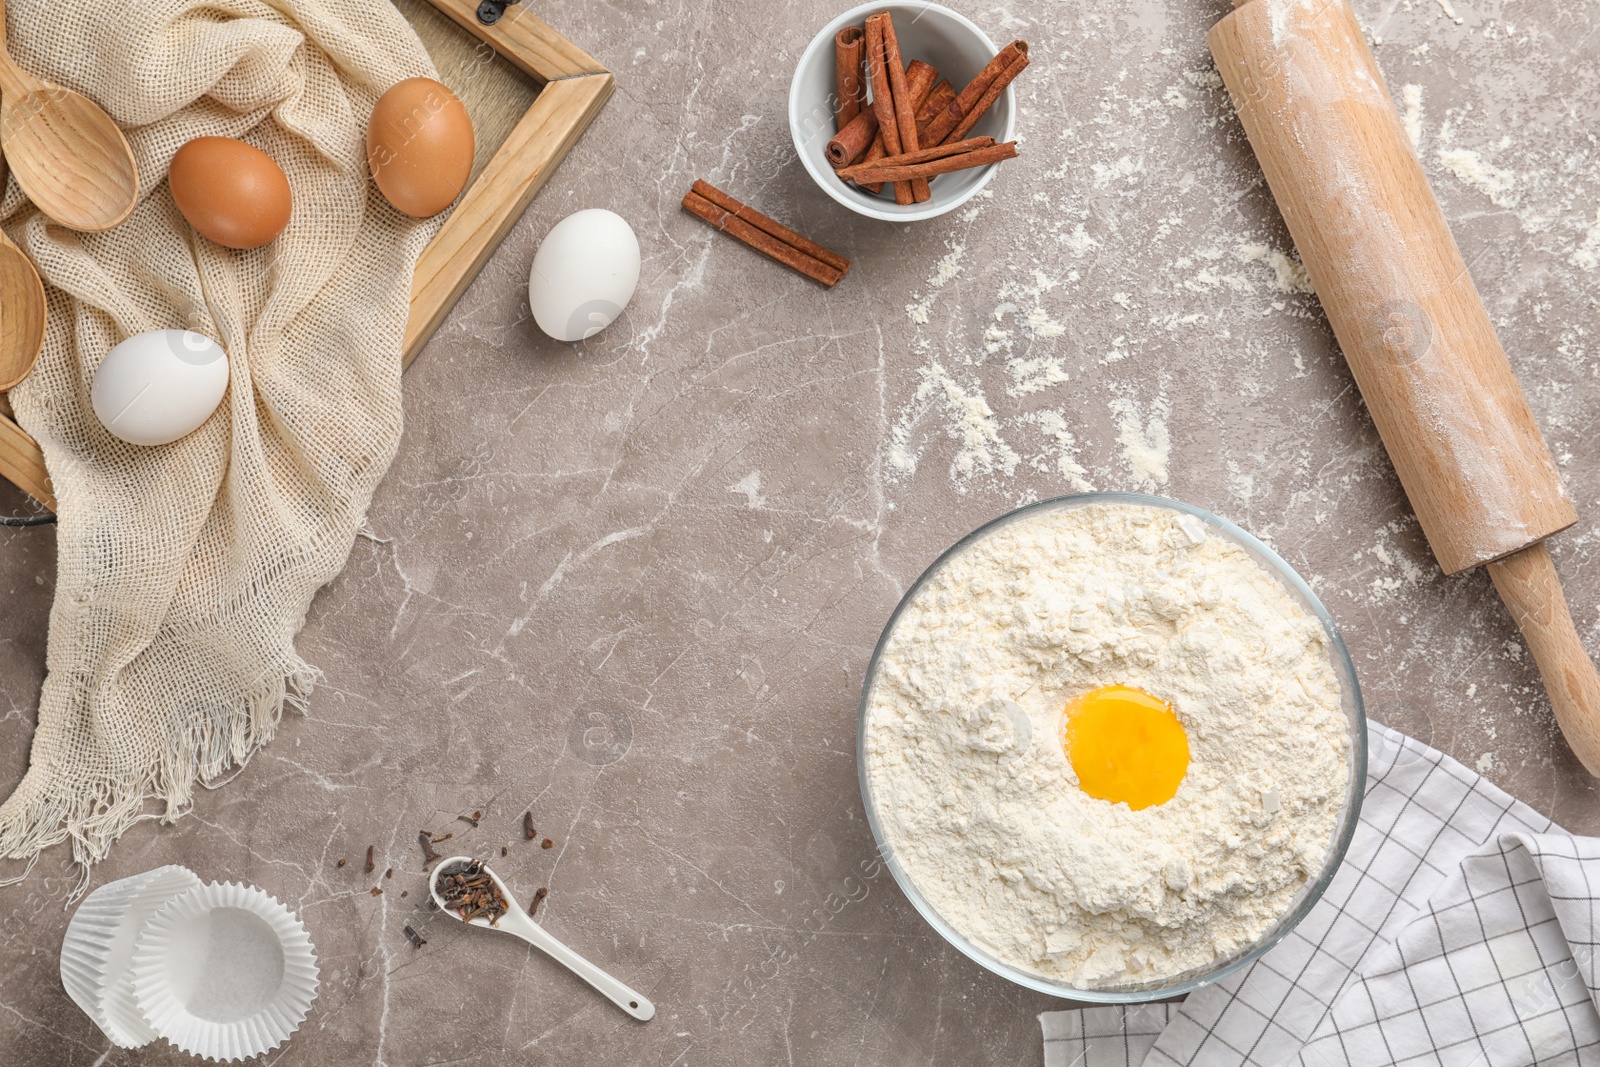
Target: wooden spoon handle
x,y
13,79
1528,583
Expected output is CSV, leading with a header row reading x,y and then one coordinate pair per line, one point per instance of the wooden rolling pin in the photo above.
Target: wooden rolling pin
x,y
1410,321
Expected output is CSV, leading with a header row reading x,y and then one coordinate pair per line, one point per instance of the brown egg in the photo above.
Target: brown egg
x,y
231,192
419,146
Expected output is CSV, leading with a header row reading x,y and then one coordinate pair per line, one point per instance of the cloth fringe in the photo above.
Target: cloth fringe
x,y
40,814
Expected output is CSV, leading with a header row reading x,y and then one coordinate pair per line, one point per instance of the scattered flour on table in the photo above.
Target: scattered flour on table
x,y
948,267
1078,242
978,202
1146,445
956,399
750,486
1411,97
1400,571
1469,167
982,809
1041,368
1496,183
1064,456
971,421
1587,255
1241,483
1289,274
1034,374
1124,171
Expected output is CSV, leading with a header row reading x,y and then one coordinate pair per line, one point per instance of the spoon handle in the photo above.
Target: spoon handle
x,y
619,993
12,78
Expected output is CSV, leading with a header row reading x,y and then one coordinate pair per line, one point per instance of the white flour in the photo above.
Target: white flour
x,y
1146,446
947,268
1289,273
982,808
1412,118
1497,183
1587,255
970,421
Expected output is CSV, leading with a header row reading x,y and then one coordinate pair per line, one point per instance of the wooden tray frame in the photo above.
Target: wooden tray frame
x,y
573,88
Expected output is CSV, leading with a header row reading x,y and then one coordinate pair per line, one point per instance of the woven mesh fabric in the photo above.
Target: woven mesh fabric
x,y
185,571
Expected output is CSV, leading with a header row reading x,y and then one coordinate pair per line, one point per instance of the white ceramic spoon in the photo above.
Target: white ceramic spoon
x,y
520,924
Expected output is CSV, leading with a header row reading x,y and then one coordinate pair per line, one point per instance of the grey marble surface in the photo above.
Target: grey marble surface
x,y
632,586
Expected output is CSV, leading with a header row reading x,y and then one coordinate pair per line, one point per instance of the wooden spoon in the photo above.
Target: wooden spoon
x,y
22,310
68,154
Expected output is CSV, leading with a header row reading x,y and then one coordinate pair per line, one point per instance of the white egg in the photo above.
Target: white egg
x,y
584,274
155,387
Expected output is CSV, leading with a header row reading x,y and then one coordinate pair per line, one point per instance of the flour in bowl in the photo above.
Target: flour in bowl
x,y
981,806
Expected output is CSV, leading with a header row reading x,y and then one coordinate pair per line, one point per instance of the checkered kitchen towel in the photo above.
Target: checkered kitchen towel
x,y
1459,932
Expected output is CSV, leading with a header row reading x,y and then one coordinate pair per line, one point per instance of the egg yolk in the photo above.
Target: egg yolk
x,y
1126,746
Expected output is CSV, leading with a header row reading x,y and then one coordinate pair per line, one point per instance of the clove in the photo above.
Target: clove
x,y
470,891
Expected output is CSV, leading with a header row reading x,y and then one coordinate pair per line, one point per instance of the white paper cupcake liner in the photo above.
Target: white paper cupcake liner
x,y
224,971
97,952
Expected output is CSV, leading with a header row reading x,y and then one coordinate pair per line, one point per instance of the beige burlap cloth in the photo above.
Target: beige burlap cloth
x,y
185,571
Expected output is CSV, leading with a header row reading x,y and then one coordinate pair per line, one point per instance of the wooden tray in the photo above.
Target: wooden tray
x,y
530,93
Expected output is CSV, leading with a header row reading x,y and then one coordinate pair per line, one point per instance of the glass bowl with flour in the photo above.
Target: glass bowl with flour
x,y
1111,747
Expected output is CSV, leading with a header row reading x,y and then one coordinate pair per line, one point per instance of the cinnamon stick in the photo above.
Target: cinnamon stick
x,y
921,155
877,151
734,225
849,73
945,123
937,100
770,225
905,110
990,95
920,79
975,157
883,96
853,140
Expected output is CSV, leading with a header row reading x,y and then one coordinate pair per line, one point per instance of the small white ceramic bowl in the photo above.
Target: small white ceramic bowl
x,y
933,34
